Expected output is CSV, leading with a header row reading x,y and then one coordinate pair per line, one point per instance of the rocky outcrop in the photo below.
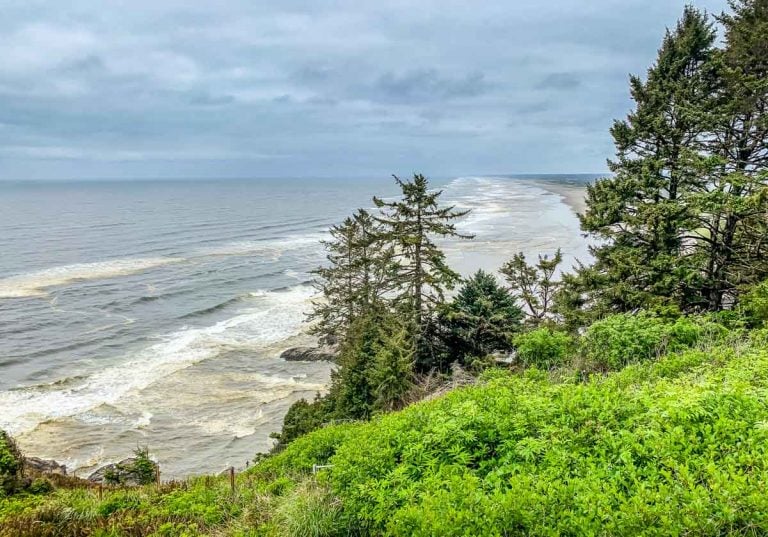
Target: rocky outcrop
x,y
34,465
129,472
324,353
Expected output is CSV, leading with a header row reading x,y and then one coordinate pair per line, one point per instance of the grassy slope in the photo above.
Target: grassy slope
x,y
675,447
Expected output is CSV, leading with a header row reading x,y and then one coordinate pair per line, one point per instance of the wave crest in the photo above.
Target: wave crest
x,y
279,316
35,283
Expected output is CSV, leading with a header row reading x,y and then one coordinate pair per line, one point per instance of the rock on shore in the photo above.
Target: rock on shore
x,y
35,465
125,472
324,353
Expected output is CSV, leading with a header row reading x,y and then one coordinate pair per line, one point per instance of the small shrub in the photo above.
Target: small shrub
x,y
280,486
40,485
543,348
119,501
754,305
726,319
303,417
759,337
111,476
311,511
140,470
619,340
11,465
143,468
304,452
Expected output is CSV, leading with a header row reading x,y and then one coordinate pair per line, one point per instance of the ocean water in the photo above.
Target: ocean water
x,y
153,313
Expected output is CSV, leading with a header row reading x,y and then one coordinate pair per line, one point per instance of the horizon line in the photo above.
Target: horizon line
x,y
287,177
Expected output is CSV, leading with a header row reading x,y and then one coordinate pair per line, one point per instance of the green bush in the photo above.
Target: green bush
x,y
754,305
40,485
119,501
140,470
303,417
143,468
11,465
543,348
672,447
619,340
306,451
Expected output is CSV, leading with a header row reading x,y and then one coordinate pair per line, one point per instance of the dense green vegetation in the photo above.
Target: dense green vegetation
x,y
681,229
11,465
667,446
626,397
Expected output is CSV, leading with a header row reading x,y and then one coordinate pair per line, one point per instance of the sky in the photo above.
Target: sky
x,y
95,89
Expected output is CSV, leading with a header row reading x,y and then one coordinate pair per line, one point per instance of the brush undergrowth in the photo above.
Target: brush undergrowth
x,y
673,445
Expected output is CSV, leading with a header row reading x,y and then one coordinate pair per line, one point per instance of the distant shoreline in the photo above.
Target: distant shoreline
x,y
574,195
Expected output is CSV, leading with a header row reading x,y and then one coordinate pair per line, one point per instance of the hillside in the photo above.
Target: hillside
x,y
672,446
626,395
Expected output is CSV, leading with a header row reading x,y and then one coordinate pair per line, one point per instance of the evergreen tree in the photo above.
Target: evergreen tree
x,y
420,276
353,282
352,384
534,285
392,372
481,319
734,201
11,465
643,214
572,302
304,417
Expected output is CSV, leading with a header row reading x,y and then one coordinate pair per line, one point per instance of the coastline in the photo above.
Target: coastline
x,y
233,388
573,195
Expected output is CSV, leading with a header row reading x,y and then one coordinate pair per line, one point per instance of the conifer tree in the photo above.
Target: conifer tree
x,y
481,319
534,285
352,386
733,205
353,281
392,372
420,276
643,213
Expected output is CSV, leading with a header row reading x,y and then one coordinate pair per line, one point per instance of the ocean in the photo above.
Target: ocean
x,y
153,313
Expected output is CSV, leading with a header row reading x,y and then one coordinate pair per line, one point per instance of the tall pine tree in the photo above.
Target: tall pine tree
x,y
734,201
354,280
420,276
642,214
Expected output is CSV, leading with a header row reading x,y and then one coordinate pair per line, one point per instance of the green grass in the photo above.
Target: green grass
x,y
674,446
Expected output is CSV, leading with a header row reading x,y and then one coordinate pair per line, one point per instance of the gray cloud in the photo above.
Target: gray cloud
x,y
108,89
560,81
427,85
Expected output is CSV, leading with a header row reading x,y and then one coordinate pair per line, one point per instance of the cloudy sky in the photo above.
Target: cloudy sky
x,y
249,88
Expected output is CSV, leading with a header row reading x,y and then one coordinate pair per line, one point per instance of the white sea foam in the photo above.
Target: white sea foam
x,y
35,283
495,203
509,216
273,248
276,317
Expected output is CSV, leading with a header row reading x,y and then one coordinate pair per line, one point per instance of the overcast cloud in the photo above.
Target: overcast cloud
x,y
243,88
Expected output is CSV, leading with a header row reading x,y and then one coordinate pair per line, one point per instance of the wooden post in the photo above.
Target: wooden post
x,y
157,475
232,478
101,491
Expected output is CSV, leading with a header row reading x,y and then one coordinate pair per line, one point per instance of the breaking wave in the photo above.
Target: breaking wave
x,y
276,317
35,283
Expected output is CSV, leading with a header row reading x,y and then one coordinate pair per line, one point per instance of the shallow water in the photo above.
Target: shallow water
x,y
154,313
